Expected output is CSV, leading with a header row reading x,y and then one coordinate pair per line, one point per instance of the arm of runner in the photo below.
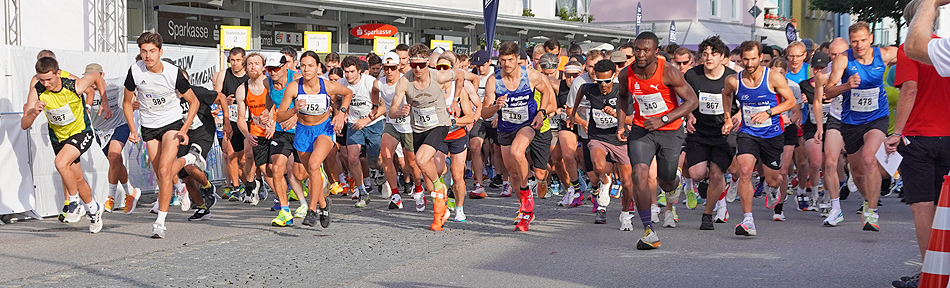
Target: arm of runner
x,y
127,110
284,112
339,118
396,109
837,71
673,79
577,118
104,108
240,94
780,86
540,82
623,100
32,109
473,99
467,116
86,82
490,105
377,102
818,107
728,90
919,45
218,81
192,112
223,104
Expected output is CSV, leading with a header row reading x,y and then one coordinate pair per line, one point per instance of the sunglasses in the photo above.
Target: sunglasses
x,y
390,67
418,65
273,69
443,67
620,64
571,75
629,57
604,81
681,63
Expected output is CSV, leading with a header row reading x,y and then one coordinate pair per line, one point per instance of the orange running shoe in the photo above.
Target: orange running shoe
x,y
110,203
440,209
336,189
131,201
526,218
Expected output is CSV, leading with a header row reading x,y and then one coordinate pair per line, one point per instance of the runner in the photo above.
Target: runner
x,y
313,142
776,199
254,104
158,88
68,124
456,140
364,124
834,176
226,82
112,132
283,138
565,164
864,115
569,146
709,145
760,136
403,51
654,81
541,145
430,122
815,129
521,116
606,150
480,130
397,132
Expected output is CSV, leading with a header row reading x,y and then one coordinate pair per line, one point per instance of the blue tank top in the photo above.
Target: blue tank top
x,y
798,78
317,104
755,100
868,102
278,95
520,106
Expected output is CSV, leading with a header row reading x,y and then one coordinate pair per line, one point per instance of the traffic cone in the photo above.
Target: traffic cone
x,y
936,271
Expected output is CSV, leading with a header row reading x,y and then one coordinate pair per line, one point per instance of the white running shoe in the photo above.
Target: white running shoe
x,y
835,217
185,201
459,216
387,190
420,201
779,217
668,220
746,228
625,221
395,201
158,231
95,220
155,207
567,199
655,213
722,214
733,191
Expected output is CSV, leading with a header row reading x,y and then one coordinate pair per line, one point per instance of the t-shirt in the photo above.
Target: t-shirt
x,y
584,105
939,52
709,112
602,126
204,119
156,93
933,97
115,96
362,104
65,110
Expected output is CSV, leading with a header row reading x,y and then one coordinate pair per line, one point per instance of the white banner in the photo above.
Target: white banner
x,y
16,193
200,63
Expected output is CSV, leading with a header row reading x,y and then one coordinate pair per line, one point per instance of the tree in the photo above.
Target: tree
x,y
871,11
571,15
527,13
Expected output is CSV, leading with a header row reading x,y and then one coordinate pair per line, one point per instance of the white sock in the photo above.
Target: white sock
x,y
161,217
189,159
74,198
112,189
836,204
92,208
688,183
747,215
458,209
129,190
800,191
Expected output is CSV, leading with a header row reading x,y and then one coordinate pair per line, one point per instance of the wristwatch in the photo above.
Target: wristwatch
x,y
343,110
665,119
769,111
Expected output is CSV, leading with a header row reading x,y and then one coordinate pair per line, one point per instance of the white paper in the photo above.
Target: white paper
x,y
889,162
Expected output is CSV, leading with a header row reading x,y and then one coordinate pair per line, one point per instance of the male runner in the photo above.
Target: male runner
x,y
864,115
569,142
565,165
157,85
68,123
657,131
511,91
254,104
456,140
479,132
761,134
283,139
834,176
226,82
775,199
709,145
815,130
364,124
396,131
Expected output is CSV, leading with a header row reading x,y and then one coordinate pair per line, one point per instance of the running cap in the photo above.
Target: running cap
x,y
93,67
480,58
618,57
275,60
390,59
820,60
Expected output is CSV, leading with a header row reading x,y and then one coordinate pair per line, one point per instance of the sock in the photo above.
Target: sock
x,y
207,185
747,216
575,184
74,198
251,186
92,208
361,189
645,218
458,209
437,185
418,188
778,208
129,190
688,183
836,204
285,208
161,217
800,191
395,191
203,207
189,159
112,189
303,200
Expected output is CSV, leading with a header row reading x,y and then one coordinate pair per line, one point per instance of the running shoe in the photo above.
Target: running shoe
x,y
567,199
62,213
533,187
771,197
907,282
109,204
578,199
824,207
209,196
131,201
746,228
496,182
439,209
661,200
175,201
450,205
158,231
758,189
526,218
395,201
478,193
732,192
615,189
835,217
870,222
600,217
336,188
779,217
325,214
812,204
291,195
235,195
707,223
154,208
555,186
200,214
254,199
200,162
301,212
655,213
283,219
459,216
649,241
74,212
722,214
668,220
95,220
363,199
863,209
276,205
625,221
802,202
691,199
505,190
420,201
185,202
227,192
310,219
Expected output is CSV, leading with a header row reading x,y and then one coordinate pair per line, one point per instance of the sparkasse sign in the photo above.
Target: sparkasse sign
x,y
370,31
188,32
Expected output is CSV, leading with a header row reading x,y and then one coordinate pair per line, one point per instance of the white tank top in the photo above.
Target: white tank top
x,y
362,103
387,93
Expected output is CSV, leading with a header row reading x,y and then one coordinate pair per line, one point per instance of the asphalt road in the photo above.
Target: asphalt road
x,y
378,247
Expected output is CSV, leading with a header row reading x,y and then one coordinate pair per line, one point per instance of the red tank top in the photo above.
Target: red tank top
x,y
652,98
255,106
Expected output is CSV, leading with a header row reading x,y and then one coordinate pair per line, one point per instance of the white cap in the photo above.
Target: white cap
x,y
390,59
275,60
604,46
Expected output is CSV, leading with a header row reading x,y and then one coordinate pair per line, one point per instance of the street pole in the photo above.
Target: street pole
x,y
754,18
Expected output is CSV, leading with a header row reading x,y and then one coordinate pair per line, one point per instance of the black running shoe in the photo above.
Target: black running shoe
x,y
201,214
325,215
601,217
311,218
844,192
707,223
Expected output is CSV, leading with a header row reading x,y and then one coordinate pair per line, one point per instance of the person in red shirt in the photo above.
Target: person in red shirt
x,y
921,135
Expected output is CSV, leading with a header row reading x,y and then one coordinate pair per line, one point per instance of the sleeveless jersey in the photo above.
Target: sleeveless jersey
x,y
230,85
652,98
868,102
65,110
256,104
520,106
547,122
278,95
362,103
317,104
428,104
758,99
388,92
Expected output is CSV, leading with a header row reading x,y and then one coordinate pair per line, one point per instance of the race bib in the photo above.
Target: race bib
x,y
710,104
401,121
602,120
360,109
316,104
233,112
515,115
651,104
161,100
104,136
865,100
825,110
60,116
425,117
749,111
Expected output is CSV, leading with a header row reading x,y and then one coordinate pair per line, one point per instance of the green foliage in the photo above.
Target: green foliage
x,y
571,15
527,13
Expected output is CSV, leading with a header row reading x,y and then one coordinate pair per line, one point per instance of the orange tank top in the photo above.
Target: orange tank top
x,y
256,103
652,98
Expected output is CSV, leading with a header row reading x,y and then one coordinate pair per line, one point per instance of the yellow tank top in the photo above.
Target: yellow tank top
x,y
547,124
65,111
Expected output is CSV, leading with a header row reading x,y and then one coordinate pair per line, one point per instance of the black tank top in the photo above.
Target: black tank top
x,y
231,82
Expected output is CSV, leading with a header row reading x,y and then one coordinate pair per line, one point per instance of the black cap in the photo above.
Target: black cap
x,y
480,58
524,55
820,59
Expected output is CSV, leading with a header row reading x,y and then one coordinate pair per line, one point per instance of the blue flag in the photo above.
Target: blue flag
x,y
672,32
491,17
639,17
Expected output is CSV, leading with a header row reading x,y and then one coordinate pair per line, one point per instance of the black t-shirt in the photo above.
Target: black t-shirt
x,y
601,127
205,97
709,112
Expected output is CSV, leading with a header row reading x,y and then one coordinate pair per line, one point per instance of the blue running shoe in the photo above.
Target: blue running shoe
x,y
758,189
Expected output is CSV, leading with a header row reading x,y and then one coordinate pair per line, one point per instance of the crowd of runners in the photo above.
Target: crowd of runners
x,y
649,127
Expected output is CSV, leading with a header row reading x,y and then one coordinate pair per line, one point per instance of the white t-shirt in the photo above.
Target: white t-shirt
x,y
584,105
157,93
115,96
362,103
939,52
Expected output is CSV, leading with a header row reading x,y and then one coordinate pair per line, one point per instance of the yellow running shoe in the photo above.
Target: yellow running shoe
x,y
284,218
